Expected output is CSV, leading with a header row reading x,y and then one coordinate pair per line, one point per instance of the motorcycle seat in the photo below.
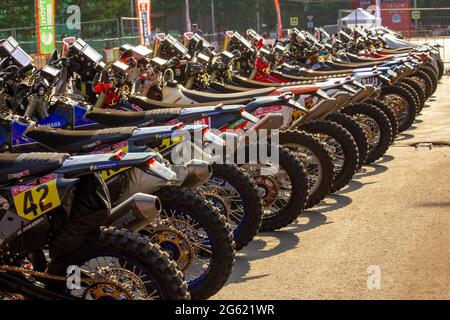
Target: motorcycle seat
x,y
228,88
357,59
18,166
132,118
302,74
344,67
150,104
218,98
394,51
298,89
258,84
77,141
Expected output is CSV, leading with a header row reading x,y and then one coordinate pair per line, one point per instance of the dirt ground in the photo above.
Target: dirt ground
x,y
386,236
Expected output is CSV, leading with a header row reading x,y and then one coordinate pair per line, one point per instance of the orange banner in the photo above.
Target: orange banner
x,y
280,23
144,14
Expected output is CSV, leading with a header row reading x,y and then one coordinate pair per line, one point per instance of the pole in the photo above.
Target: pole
x,y
258,16
379,11
213,18
416,22
132,4
188,16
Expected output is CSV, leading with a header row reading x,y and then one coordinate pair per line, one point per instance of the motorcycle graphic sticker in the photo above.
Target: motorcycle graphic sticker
x,y
168,143
108,174
35,199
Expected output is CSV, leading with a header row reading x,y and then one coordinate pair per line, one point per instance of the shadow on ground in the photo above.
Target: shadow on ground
x,y
269,244
435,204
287,239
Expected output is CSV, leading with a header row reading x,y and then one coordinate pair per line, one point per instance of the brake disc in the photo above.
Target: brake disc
x,y
106,291
269,189
174,242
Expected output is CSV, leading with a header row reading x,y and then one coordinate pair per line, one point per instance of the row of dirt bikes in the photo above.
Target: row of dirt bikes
x,y
117,180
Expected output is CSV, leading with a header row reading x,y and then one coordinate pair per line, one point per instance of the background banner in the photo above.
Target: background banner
x,y
45,25
144,13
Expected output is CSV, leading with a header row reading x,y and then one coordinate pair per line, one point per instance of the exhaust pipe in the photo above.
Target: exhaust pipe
x,y
136,212
269,122
198,173
342,98
370,91
321,110
359,96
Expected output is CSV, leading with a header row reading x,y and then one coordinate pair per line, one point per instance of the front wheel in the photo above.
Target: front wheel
x,y
357,131
316,160
342,147
402,103
379,128
127,267
234,192
390,114
282,186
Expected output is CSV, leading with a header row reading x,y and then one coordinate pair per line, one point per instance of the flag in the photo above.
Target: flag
x,y
188,16
280,24
144,13
45,25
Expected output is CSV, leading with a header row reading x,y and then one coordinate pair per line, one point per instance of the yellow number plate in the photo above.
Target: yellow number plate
x,y
32,201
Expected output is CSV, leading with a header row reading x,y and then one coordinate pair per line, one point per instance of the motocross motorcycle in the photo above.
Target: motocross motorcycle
x,y
205,273
175,93
428,71
56,203
413,69
85,137
346,155
282,198
72,113
372,120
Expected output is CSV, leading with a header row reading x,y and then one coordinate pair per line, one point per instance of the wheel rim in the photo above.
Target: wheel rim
x,y
336,150
237,214
399,105
275,190
192,238
123,273
176,245
372,128
312,165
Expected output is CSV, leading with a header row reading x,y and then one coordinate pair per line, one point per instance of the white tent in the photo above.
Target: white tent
x,y
360,17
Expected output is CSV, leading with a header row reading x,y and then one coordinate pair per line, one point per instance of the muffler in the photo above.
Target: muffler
x,y
135,213
359,96
342,98
319,111
370,90
269,122
198,173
